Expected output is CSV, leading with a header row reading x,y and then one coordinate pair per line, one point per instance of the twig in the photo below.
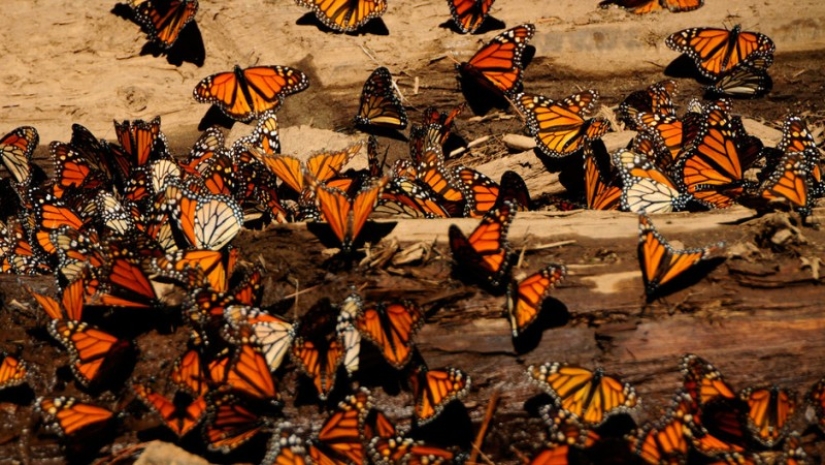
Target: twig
x,y
488,417
552,245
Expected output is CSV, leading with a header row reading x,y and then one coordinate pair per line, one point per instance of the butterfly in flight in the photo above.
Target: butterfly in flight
x,y
164,20
245,94
345,15
717,51
380,103
589,395
469,15
559,127
497,66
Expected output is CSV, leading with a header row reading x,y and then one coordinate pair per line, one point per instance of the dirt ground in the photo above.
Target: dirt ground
x,y
80,62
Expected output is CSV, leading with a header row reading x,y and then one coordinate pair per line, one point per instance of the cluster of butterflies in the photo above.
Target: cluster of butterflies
x,y
226,380
703,159
707,421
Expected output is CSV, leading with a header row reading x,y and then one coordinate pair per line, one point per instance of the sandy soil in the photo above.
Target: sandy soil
x,y
78,62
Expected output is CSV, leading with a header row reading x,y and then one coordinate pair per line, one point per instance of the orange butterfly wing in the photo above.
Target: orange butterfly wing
x,y
180,420
525,298
89,349
245,94
718,50
345,15
434,389
497,66
391,327
69,417
485,254
13,372
469,14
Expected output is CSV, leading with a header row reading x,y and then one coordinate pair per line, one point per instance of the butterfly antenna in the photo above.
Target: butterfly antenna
x,y
515,107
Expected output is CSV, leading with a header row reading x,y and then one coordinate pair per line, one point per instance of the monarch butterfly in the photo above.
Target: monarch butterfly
x,y
164,20
437,125
246,371
70,306
16,149
662,442
408,199
339,440
497,66
349,311
265,137
434,389
589,395
792,451
91,350
377,424
320,167
181,419
140,142
216,265
667,138
525,298
230,422
790,181
660,262
271,333
432,172
512,188
207,221
645,188
50,214
743,81
380,103
485,255
285,448
657,100
479,191
245,94
80,257
112,216
399,449
20,257
469,15
719,429
391,326
206,306
559,127
646,6
703,382
188,374
769,413
346,216
602,181
66,416
345,15
318,349
564,429
124,283
13,372
717,51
